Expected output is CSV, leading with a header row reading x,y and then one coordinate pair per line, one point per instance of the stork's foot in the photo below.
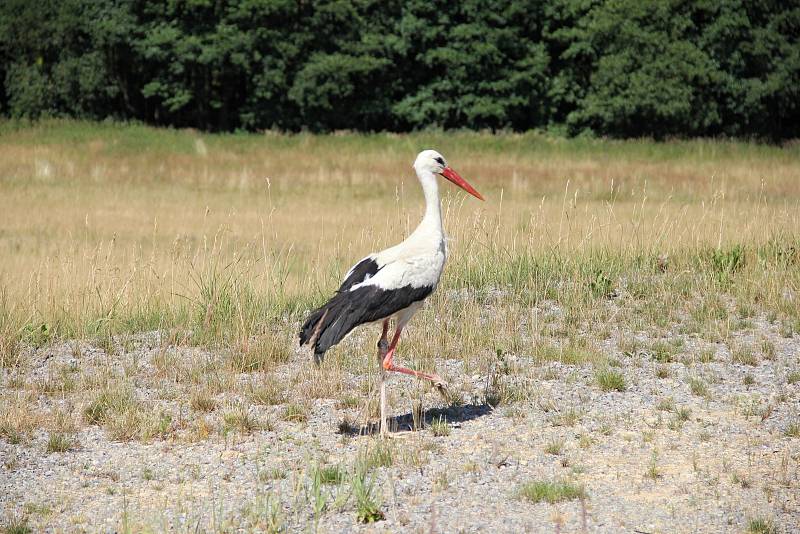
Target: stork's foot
x,y
392,435
384,432
440,385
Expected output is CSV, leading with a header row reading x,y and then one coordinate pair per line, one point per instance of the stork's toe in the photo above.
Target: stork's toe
x,y
440,385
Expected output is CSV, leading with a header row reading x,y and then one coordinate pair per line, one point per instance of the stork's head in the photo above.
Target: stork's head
x,y
430,161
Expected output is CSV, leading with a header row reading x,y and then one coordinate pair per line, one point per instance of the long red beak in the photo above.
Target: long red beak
x,y
454,177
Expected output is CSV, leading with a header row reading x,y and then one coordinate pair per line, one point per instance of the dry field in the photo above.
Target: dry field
x,y
619,323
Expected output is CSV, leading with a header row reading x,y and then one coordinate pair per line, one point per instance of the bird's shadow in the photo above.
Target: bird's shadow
x,y
453,415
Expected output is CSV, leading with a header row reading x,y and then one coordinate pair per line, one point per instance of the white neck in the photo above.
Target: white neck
x,y
432,221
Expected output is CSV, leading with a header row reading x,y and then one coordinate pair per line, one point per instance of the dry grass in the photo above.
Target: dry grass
x,y
110,231
123,229
18,417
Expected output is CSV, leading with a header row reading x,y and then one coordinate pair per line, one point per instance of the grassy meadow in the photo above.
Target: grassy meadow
x,y
221,244
113,229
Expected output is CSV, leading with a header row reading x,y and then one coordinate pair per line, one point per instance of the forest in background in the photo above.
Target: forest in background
x,y
622,68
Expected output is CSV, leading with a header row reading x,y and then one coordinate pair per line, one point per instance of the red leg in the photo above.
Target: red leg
x,y
389,366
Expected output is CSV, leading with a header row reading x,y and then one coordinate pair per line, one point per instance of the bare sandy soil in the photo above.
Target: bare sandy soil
x,y
662,455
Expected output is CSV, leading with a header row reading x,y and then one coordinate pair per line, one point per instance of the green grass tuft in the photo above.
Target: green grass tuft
x,y
439,427
698,387
760,525
17,524
295,413
368,508
610,380
58,442
331,474
551,492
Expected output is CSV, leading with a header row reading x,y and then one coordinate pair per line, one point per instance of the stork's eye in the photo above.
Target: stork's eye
x,y
440,160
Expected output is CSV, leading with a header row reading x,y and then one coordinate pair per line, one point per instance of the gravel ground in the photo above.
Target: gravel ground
x,y
652,458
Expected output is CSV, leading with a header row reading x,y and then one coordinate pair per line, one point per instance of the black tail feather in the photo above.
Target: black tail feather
x,y
328,325
307,330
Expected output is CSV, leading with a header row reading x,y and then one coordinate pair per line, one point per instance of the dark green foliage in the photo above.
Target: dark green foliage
x,y
63,58
472,64
623,68
690,68
649,77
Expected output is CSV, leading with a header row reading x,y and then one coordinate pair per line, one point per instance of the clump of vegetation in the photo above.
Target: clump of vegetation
x,y
503,391
709,309
124,416
744,354
362,482
381,454
653,472
115,399
295,413
630,346
742,481
610,379
60,383
238,417
17,419
725,262
666,404
698,387
17,524
439,427
262,354
767,349
759,525
665,351
10,335
331,474
554,447
201,400
792,430
568,417
706,356
348,401
681,415
268,391
58,442
274,473
551,491
368,509
663,371
600,284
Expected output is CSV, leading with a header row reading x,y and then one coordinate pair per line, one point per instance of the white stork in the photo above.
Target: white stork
x,y
390,283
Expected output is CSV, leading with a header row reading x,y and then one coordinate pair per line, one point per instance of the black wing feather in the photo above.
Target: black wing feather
x,y
360,272
329,324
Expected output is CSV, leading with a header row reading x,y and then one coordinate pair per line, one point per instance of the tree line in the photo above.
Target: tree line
x,y
621,68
